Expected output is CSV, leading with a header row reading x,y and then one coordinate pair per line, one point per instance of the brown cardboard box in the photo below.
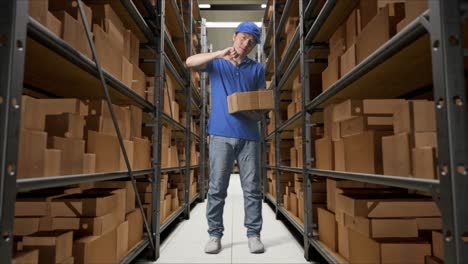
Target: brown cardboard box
x,y
291,109
109,156
348,60
438,244
429,223
139,81
32,207
324,154
375,206
424,163
52,161
72,154
167,205
339,155
135,227
105,125
396,154
72,9
331,74
110,53
122,240
69,260
254,100
53,24
32,116
175,111
425,139
328,120
73,32
347,110
382,228
127,72
121,194
378,31
381,106
126,185
367,9
133,46
136,121
65,125
101,13
363,152
423,116
83,205
327,228
293,153
343,240
360,124
38,10
63,105
87,226
100,108
337,43
89,163
141,154
91,249
335,131
293,203
353,27
31,159
54,246
30,225
29,256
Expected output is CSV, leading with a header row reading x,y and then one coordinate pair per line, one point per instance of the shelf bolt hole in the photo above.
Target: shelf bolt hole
x,y
11,169
457,100
453,40
6,236
444,170
448,236
440,103
19,45
436,45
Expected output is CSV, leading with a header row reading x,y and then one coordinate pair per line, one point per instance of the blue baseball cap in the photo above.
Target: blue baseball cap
x,y
250,28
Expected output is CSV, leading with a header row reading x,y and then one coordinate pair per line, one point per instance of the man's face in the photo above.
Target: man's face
x,y
244,43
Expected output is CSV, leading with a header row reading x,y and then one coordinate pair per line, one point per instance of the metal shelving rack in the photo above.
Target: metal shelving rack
x,y
439,31
16,27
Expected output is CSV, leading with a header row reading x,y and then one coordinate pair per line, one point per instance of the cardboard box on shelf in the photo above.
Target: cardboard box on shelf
x,y
72,154
31,224
381,106
136,121
438,244
368,10
382,228
63,105
31,159
54,24
32,116
73,32
396,154
66,125
89,163
142,153
331,74
52,161
293,203
353,27
103,12
378,206
423,116
125,185
379,30
338,43
254,100
110,54
38,10
324,153
369,147
83,205
433,260
291,109
348,60
424,163
347,110
425,139
135,227
327,228
339,156
328,120
87,226
72,9
53,246
26,256
293,155
127,72
429,223
343,240
138,81
108,153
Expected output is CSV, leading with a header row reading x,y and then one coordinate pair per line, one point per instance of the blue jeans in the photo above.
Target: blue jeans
x,y
223,152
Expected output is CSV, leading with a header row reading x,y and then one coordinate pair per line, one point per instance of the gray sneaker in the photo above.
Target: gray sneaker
x,y
256,245
213,246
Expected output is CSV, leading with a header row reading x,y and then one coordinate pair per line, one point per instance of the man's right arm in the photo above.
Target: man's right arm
x,y
200,60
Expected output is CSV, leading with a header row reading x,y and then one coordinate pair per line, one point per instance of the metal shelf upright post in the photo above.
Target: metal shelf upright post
x,y
203,119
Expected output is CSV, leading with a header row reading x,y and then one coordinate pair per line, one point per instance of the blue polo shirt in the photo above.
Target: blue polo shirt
x,y
227,79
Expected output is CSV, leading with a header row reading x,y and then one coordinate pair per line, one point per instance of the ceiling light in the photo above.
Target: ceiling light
x,y
204,6
227,24
263,5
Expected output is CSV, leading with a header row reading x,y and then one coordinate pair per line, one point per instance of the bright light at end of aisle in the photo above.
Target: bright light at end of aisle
x,y
227,24
204,6
263,5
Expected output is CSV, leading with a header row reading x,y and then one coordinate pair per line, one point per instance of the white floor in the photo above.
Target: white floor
x,y
186,243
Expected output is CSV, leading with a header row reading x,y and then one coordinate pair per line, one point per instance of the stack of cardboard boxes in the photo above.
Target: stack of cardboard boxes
x,y
75,225
367,224
116,46
385,133
284,152
290,27
293,197
170,105
55,132
371,24
165,199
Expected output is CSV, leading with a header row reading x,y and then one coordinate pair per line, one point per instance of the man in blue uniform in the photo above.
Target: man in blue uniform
x,y
233,136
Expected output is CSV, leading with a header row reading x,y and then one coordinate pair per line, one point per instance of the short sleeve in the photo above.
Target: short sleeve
x,y
261,82
208,67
